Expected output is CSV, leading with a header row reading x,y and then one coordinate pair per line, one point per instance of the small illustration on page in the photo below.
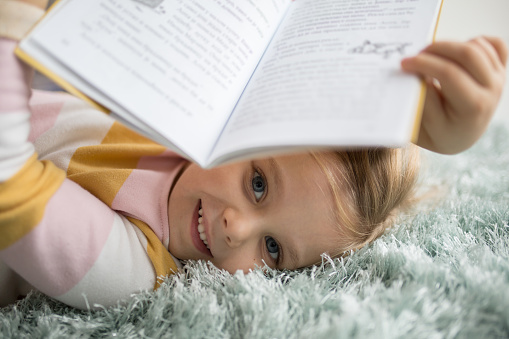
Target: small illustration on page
x,y
150,3
384,49
156,5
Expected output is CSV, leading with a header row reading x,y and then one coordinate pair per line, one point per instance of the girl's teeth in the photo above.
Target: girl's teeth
x,y
201,228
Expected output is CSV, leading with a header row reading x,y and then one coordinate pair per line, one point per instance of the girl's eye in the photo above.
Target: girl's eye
x,y
259,186
272,247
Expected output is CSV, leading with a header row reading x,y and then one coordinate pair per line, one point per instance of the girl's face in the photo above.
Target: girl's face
x,y
277,210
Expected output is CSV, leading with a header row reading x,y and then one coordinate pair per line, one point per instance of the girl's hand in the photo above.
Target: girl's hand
x,y
465,82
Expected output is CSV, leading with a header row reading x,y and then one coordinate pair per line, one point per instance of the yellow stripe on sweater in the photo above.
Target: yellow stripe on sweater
x,y
23,198
158,254
103,169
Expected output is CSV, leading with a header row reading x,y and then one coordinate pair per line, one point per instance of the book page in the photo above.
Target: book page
x,y
331,77
178,66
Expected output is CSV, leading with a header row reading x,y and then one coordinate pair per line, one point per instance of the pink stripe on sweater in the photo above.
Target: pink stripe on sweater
x,y
45,106
145,192
43,118
47,97
57,254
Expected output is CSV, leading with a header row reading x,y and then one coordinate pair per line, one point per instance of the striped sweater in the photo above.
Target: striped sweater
x,y
83,199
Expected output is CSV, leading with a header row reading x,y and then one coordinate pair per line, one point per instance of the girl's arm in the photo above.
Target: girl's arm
x,y
464,86
54,235
16,17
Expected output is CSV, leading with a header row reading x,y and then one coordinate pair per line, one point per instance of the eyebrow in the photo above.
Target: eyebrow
x,y
278,182
275,170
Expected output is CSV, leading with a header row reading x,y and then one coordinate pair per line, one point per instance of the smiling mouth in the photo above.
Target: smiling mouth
x,y
199,232
201,228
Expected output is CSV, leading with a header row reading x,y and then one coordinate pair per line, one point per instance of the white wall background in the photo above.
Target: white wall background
x,y
465,19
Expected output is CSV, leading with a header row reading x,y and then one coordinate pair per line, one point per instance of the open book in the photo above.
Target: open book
x,y
218,80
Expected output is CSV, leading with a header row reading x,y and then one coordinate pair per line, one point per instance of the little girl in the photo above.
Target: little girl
x,y
91,212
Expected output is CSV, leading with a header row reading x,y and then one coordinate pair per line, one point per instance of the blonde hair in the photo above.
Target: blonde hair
x,y
370,187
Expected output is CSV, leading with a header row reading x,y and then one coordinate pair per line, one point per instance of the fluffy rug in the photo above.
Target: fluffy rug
x,y
444,273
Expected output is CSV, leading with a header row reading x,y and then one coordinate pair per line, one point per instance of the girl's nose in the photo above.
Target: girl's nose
x,y
237,228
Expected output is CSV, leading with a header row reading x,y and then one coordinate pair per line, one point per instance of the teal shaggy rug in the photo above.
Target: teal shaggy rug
x,y
444,273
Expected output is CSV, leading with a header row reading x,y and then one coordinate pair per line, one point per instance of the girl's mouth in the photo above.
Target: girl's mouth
x,y
201,228
198,232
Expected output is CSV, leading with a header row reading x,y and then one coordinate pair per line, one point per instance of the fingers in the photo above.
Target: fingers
x,y
485,46
484,59
475,57
457,87
470,79
501,47
471,75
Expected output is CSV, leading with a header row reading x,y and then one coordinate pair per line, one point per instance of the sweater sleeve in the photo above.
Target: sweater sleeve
x,y
55,235
15,149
